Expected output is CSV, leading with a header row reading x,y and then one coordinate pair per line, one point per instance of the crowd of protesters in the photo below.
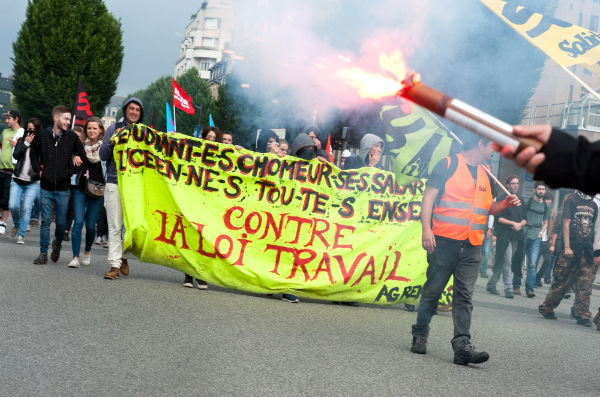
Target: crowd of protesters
x,y
558,248
68,176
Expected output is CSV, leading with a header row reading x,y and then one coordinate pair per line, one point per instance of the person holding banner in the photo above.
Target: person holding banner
x,y
457,200
133,112
213,134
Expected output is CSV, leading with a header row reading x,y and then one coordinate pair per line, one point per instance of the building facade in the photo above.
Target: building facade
x,y
206,37
112,110
559,99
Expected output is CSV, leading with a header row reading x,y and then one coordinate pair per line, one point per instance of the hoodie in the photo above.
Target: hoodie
x,y
106,150
263,139
322,137
366,143
302,140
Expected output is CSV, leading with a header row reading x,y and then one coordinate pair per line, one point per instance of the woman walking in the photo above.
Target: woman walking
x,y
25,183
86,204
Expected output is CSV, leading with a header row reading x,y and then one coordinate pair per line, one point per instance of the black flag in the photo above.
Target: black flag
x,y
81,107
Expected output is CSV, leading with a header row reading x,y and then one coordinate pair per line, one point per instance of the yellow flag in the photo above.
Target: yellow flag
x,y
417,139
565,43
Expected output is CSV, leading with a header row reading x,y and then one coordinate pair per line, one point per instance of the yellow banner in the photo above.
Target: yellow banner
x,y
565,43
264,224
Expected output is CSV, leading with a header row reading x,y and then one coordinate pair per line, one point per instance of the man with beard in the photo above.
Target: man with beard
x,y
575,262
51,156
537,216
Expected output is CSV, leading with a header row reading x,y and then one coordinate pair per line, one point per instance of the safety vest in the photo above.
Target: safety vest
x,y
462,210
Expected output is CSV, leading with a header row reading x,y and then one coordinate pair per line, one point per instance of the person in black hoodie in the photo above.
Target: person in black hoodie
x,y
51,155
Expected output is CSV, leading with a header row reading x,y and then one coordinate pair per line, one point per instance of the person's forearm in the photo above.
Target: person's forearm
x,y
544,227
566,235
427,208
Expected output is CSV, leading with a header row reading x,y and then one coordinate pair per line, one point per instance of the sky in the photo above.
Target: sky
x,y
140,41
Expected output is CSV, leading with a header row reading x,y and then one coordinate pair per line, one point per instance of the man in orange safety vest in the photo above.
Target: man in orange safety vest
x,y
457,200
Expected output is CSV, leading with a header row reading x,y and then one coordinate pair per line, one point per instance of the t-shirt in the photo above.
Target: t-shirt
x,y
536,214
441,173
515,214
6,162
583,213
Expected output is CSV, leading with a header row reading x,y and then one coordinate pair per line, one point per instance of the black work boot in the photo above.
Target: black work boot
x,y
466,354
55,254
419,345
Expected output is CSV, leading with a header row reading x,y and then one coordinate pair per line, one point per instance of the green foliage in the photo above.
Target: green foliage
x,y
60,42
160,91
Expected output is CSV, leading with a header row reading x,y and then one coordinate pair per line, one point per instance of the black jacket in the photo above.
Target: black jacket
x,y
54,158
570,162
19,153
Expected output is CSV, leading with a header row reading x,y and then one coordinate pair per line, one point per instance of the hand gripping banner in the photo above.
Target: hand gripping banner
x,y
264,224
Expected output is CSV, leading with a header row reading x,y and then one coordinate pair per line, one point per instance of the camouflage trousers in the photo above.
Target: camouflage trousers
x,y
568,274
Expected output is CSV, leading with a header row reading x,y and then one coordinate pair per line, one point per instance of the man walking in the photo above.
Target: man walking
x,y
537,215
546,253
133,112
509,240
51,155
575,264
456,203
9,140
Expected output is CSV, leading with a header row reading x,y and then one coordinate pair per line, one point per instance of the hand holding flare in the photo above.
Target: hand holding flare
x,y
465,115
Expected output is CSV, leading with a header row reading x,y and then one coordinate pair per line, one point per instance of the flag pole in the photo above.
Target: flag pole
x,y
174,118
587,87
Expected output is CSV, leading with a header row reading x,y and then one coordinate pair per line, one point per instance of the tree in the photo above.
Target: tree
x,y
160,92
60,42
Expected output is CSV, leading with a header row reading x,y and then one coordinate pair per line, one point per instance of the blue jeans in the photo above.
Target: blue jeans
x,y
86,209
21,202
532,252
487,247
450,257
60,199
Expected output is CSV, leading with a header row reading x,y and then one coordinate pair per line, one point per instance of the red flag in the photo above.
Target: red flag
x,y
181,99
328,148
81,107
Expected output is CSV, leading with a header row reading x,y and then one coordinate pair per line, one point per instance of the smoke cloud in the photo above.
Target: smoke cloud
x,y
292,51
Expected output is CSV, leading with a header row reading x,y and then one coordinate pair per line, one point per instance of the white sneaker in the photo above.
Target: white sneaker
x,y
74,263
86,259
20,240
2,228
98,240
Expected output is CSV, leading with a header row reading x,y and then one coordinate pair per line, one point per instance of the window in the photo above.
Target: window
x,y
594,23
212,42
212,23
580,19
113,112
207,63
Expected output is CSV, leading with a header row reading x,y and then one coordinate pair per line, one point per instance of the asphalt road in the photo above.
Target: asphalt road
x,y
69,332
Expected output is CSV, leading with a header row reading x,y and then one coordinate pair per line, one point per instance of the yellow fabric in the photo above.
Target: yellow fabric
x,y
227,217
565,43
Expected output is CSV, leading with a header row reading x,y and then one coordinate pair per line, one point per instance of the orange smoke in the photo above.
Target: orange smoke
x,y
377,84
